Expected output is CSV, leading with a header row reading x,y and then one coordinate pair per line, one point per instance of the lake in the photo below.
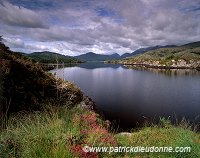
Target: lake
x,y
132,96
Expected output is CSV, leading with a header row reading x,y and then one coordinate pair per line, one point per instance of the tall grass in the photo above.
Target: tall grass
x,y
163,134
57,132
40,134
60,132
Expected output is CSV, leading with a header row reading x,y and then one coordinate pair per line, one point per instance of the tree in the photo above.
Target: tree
x,y
1,38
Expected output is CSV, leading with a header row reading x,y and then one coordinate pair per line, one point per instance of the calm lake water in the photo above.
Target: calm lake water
x,y
131,96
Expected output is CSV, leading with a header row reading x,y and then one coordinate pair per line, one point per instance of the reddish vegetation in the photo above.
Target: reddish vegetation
x,y
91,134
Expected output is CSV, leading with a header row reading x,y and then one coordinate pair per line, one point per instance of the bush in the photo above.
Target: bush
x,y
25,86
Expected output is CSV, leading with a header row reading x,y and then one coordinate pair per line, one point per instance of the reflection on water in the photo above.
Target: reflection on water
x,y
133,96
91,65
169,72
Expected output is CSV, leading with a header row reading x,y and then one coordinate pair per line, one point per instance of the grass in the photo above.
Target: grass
x,y
37,135
163,135
60,132
56,132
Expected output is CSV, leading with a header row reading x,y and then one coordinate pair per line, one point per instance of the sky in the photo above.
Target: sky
x,y
73,27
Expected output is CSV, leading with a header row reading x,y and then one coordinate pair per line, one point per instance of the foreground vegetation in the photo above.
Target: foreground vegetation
x,y
163,135
54,132
25,85
62,132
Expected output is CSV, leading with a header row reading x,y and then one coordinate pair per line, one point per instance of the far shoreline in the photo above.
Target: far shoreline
x,y
154,66
161,67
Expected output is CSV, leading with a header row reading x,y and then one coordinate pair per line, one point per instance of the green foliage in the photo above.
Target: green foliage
x,y
49,57
162,135
170,57
9,148
62,132
1,38
24,85
54,132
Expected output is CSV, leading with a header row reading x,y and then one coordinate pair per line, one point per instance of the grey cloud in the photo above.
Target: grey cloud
x,y
14,42
138,23
20,16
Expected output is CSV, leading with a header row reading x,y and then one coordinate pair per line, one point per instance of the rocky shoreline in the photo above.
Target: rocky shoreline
x,y
88,104
170,64
162,66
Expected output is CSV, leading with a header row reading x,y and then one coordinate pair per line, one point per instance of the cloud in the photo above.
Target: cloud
x,y
77,27
14,42
20,16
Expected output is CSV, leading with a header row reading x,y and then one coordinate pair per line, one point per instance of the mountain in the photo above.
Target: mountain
x,y
115,55
192,45
50,57
184,56
125,55
97,57
143,50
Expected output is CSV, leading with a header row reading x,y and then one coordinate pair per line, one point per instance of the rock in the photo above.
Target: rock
x,y
107,124
198,68
88,104
125,134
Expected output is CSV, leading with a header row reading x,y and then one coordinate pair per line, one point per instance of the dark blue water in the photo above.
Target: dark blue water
x,y
132,96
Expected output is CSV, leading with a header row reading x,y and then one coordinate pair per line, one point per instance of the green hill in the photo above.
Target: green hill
x,y
143,50
192,45
185,56
96,57
50,57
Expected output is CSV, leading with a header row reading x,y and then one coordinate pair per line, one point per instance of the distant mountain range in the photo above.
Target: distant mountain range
x,y
143,50
184,56
99,57
192,45
96,57
50,57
